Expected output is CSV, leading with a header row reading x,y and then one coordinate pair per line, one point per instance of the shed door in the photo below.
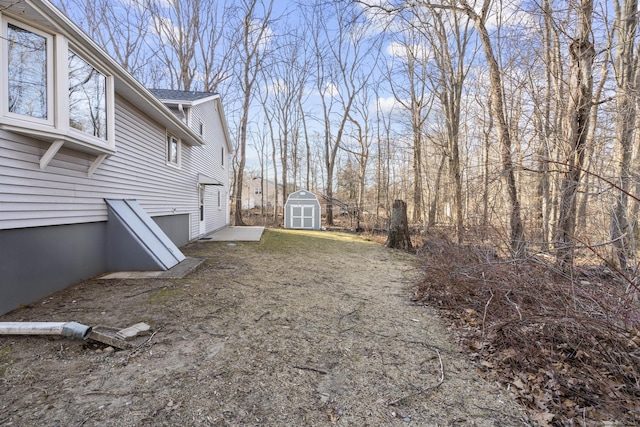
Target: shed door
x,y
302,216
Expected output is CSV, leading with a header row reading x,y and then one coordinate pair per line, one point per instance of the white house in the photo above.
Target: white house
x,y
91,162
259,192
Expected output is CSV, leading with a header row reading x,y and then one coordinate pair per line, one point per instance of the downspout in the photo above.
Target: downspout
x,y
66,329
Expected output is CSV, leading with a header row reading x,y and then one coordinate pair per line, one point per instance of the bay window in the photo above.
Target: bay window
x,y
52,91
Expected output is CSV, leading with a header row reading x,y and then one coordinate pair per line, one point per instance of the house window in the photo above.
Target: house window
x,y
222,157
87,98
173,150
48,91
28,69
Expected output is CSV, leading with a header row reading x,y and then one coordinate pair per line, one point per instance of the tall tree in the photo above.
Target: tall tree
x,y
343,48
626,75
285,76
177,23
449,35
409,77
582,54
122,28
215,55
252,50
517,238
479,16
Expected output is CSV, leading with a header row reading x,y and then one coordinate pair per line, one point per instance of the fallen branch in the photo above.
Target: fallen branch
x,y
144,344
261,316
306,368
484,315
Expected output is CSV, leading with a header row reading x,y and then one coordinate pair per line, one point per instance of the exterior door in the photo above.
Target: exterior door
x,y
203,228
302,216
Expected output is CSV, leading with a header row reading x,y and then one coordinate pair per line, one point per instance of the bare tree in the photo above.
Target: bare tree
x,y
409,83
578,114
479,17
252,51
517,239
177,23
449,34
214,48
122,28
361,147
342,47
625,70
285,77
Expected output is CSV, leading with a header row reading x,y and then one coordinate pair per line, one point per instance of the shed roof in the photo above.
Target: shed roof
x,y
302,195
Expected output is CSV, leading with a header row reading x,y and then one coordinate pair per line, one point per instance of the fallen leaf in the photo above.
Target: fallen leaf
x,y
518,383
487,364
543,418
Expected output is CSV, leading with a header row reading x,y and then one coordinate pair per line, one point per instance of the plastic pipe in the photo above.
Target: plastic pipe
x,y
66,329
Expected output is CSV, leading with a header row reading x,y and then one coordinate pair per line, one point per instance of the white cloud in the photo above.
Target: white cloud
x,y
258,36
396,49
388,104
507,13
330,90
277,86
164,28
401,50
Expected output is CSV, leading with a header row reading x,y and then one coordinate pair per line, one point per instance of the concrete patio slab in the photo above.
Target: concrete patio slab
x,y
179,271
236,234
183,269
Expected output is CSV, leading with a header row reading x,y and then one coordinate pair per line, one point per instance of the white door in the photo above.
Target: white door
x,y
302,216
203,228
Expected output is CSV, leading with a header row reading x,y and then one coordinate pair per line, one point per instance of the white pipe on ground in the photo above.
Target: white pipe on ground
x,y
66,329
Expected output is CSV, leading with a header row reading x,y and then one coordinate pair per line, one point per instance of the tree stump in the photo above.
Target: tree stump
x,y
399,228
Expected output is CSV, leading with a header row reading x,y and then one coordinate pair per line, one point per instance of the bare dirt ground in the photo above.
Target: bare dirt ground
x,y
298,329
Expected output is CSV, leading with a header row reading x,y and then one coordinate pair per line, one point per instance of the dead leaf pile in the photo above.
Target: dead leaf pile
x,y
568,348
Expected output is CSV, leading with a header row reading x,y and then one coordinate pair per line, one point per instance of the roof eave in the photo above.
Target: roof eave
x,y
125,84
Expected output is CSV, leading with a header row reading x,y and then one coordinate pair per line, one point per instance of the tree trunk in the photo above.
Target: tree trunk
x,y
433,209
626,25
399,228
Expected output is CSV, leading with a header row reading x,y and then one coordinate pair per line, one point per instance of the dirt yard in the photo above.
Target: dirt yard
x,y
300,329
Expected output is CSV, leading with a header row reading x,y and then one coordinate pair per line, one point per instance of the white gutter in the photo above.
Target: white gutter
x,y
66,329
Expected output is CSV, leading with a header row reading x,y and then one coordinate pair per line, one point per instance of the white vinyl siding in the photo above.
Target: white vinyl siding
x,y
64,194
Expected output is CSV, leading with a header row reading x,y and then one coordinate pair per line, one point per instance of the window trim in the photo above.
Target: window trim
x,y
49,78
178,163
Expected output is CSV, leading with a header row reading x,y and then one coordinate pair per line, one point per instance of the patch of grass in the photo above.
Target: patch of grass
x,y
165,294
292,241
5,360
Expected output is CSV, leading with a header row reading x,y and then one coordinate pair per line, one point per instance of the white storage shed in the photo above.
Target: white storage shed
x,y
302,211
